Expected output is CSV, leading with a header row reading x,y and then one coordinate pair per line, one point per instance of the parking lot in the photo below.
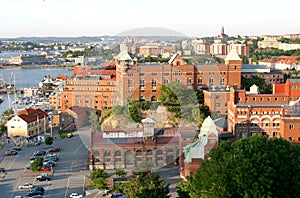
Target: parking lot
x,y
68,176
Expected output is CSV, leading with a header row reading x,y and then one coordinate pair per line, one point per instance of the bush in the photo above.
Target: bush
x,y
64,133
49,140
37,164
117,110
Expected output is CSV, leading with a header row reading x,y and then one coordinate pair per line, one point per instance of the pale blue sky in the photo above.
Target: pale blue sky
x,y
110,17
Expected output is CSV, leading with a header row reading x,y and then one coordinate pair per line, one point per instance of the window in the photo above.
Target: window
x,y
177,73
189,73
211,82
217,96
291,139
189,81
166,73
130,83
153,83
142,83
222,81
292,126
217,104
166,81
199,81
154,73
142,74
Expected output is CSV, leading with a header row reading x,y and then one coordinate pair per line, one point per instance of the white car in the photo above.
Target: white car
x,y
26,186
75,195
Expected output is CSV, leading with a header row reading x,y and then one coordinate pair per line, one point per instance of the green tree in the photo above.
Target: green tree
x,y
258,81
98,179
37,164
8,114
250,167
2,129
117,110
120,172
144,186
94,121
49,140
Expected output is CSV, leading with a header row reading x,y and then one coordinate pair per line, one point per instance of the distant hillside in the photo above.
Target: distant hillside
x,y
88,39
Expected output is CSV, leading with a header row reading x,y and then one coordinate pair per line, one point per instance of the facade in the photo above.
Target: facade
x,y
105,87
143,81
217,100
79,114
252,112
282,62
290,123
130,148
150,51
270,77
195,153
29,122
91,88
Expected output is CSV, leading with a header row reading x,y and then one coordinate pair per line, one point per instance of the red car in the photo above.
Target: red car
x,y
46,168
11,153
54,149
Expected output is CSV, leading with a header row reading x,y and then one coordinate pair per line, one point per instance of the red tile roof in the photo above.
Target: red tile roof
x,y
31,115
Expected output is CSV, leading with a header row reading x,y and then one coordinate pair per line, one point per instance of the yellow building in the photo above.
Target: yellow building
x,y
29,122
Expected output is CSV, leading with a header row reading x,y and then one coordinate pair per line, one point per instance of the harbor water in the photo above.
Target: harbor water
x,y
26,78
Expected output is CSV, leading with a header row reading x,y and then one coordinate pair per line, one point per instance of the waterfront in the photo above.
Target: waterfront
x,y
26,78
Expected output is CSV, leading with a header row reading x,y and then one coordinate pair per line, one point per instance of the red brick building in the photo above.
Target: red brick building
x,y
128,148
250,113
142,81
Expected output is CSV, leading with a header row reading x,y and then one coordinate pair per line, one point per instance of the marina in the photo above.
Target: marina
x,y
21,86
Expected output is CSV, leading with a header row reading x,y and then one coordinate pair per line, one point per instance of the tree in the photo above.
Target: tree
x,y
98,179
250,167
144,186
258,81
2,129
120,172
94,121
49,140
8,114
37,164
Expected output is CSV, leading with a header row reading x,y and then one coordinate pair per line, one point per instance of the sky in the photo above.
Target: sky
x,y
193,18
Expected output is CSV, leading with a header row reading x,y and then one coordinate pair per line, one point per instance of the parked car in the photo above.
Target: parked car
x,y
17,148
39,188
2,170
26,186
50,154
52,158
42,178
46,168
37,196
11,153
69,135
34,192
49,163
54,149
75,195
18,196
39,153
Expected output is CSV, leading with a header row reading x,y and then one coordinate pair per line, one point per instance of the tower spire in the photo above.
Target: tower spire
x,y
222,31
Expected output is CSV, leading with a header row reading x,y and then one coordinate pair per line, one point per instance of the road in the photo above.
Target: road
x,y
69,174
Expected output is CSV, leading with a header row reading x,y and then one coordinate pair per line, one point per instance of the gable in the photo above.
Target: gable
x,y
177,60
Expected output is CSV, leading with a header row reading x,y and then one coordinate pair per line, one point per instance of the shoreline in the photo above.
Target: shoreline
x,y
37,67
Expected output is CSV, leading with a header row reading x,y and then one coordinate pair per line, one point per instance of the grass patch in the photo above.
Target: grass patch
x,y
64,133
